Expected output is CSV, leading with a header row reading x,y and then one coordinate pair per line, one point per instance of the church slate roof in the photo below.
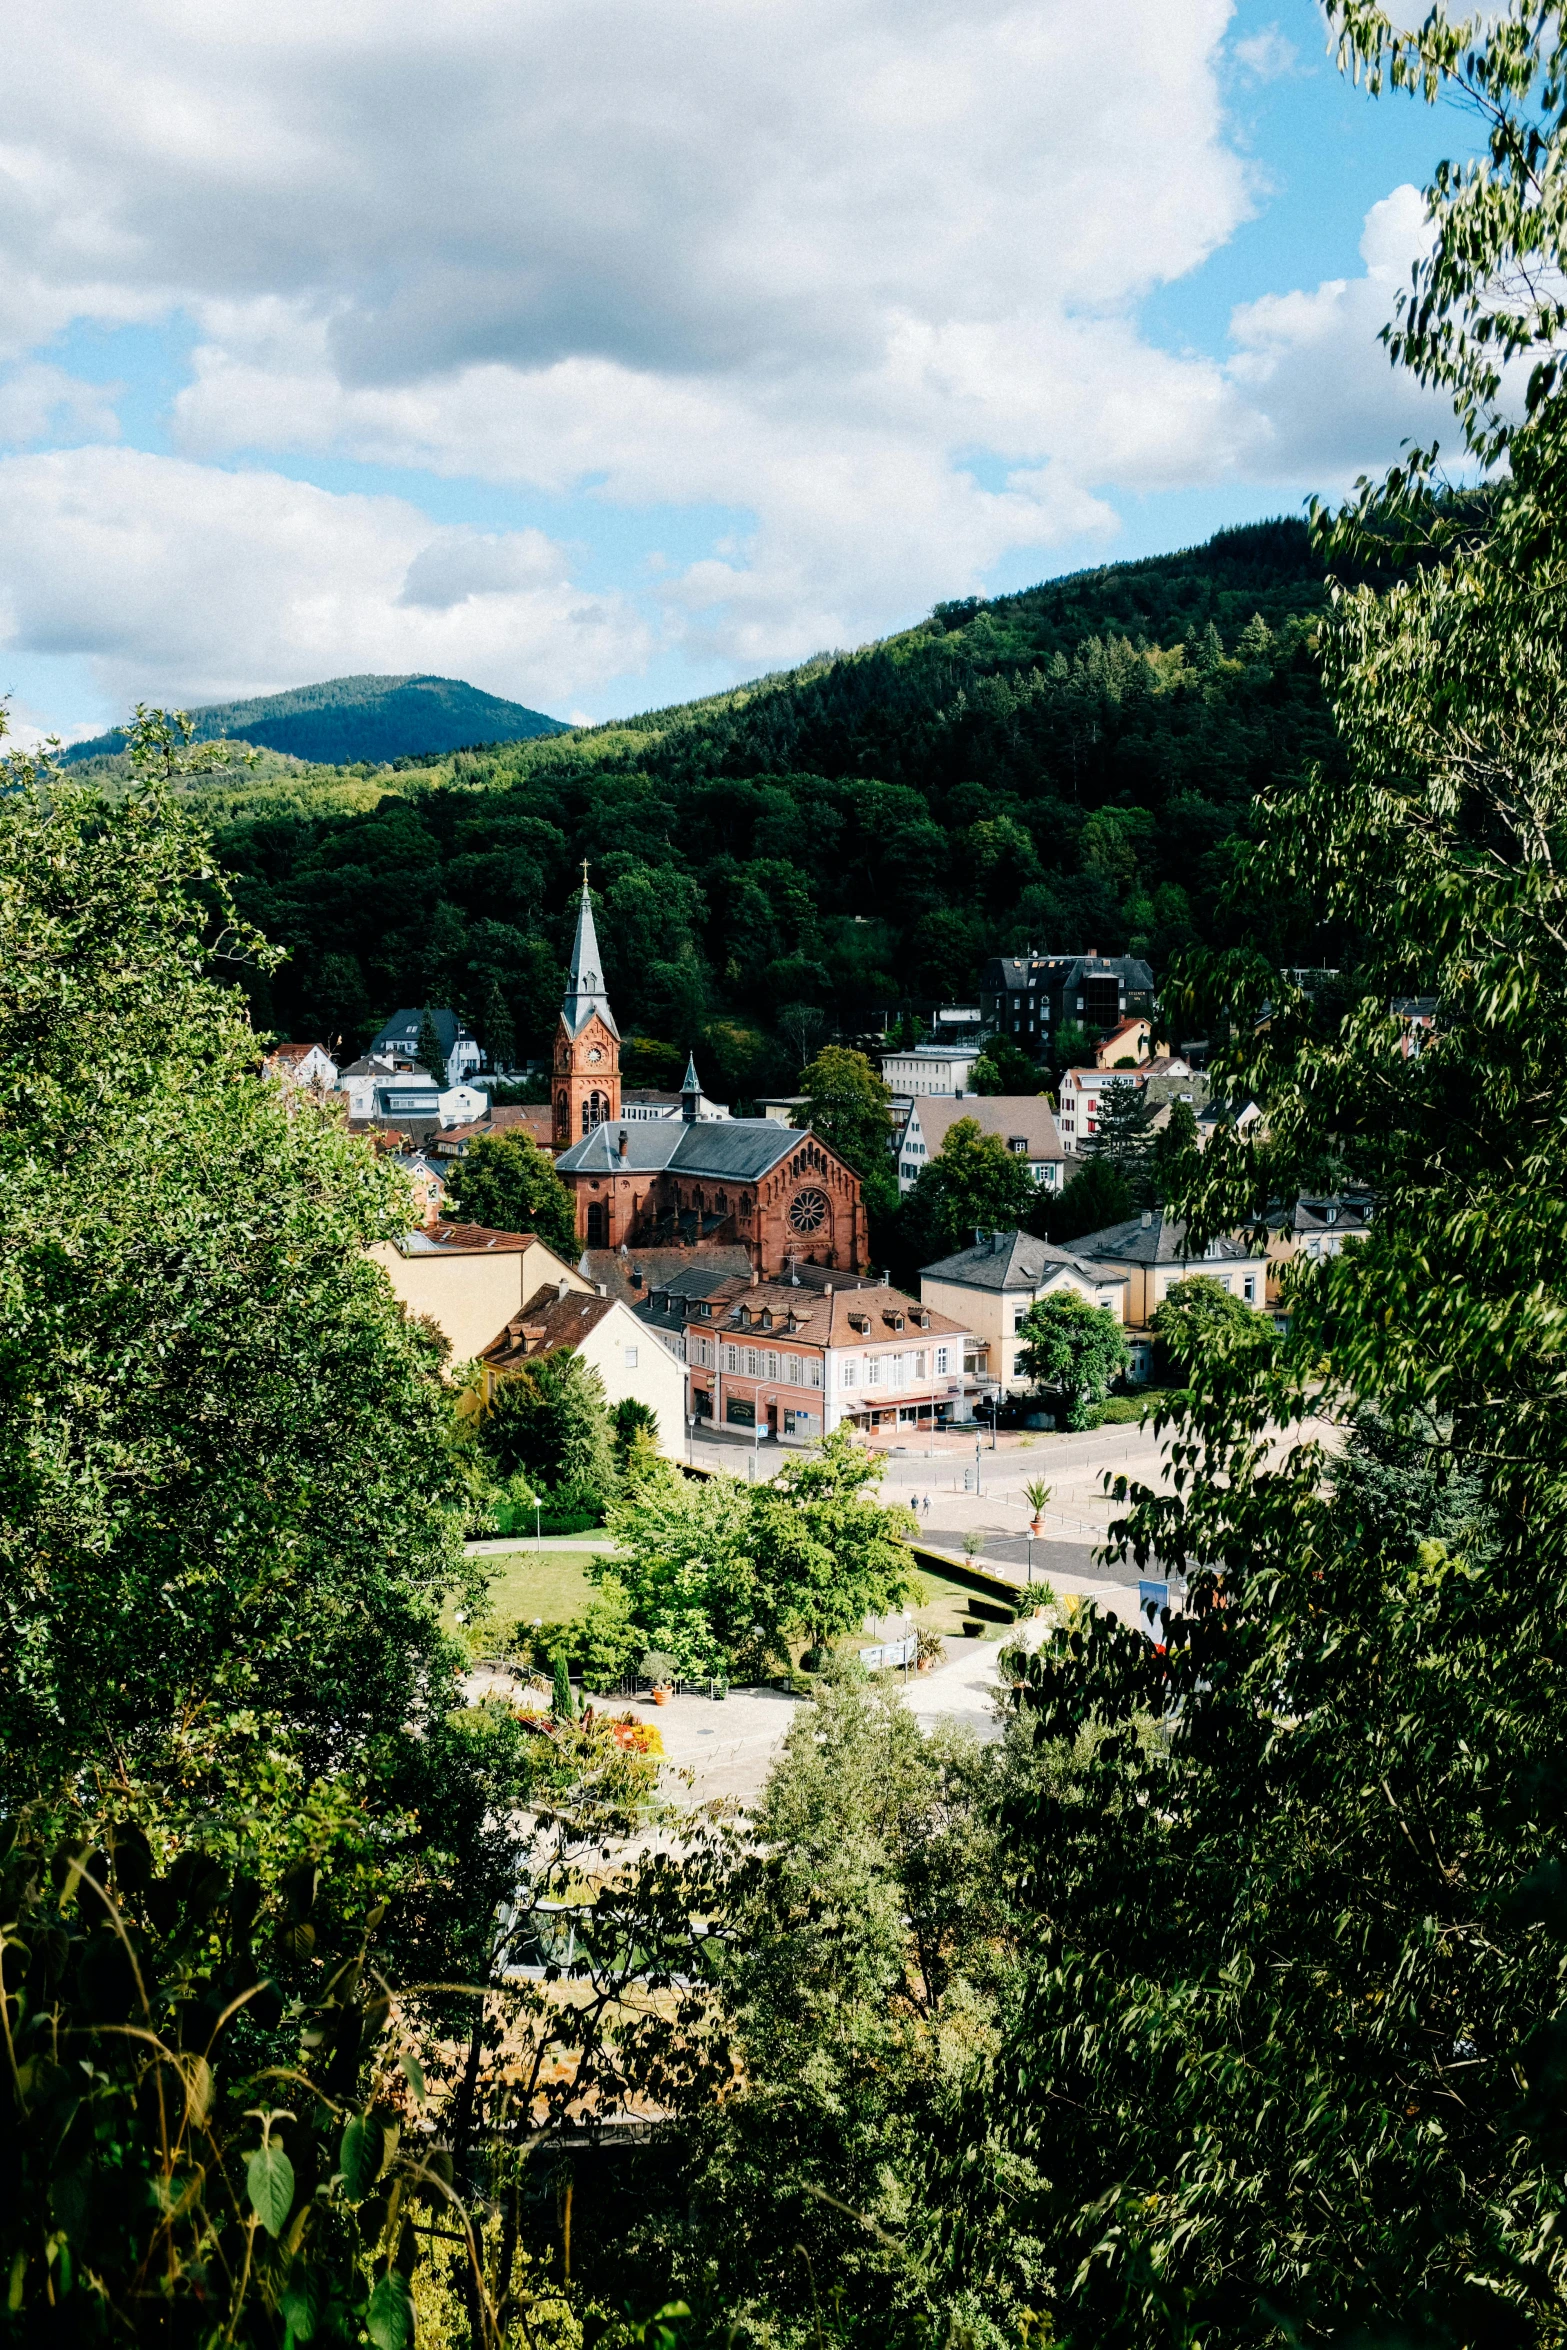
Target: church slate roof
x,y
735,1150
585,981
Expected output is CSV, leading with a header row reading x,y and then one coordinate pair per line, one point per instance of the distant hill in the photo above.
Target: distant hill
x,y
1072,766
347,720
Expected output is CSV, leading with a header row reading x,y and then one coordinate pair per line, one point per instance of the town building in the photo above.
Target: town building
x,y
379,1094
1314,1228
991,1286
1416,1016
1130,1042
607,1336
301,1068
534,1119
398,1042
1031,997
468,1280
1151,1250
785,1359
1025,1122
778,1192
426,1182
930,1069
1078,1099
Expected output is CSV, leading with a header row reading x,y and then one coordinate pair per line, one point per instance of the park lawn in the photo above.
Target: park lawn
x,y
945,1606
553,1585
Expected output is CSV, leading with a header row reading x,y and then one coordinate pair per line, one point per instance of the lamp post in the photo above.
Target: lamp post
x,y
978,1442
538,1538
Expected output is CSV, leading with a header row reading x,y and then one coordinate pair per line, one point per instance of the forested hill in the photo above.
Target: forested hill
x,y
345,720
1068,766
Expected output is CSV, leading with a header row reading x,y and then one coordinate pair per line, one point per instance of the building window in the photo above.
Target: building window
x,y
814,1369
895,1371
792,1370
750,1362
1249,1289
919,1364
873,1370
731,1358
1018,1143
850,1371
631,1358
941,1362
772,1366
1019,1316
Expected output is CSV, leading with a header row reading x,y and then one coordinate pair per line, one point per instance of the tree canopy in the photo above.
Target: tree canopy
x,y
1073,1347
505,1181
973,1180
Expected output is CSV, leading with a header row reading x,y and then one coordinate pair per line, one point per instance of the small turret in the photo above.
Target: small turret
x,y
690,1092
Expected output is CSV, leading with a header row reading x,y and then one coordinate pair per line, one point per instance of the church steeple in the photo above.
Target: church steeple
x,y
587,1042
690,1092
585,981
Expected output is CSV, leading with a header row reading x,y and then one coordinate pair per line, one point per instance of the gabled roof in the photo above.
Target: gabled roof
x,y
585,980
825,1317
465,1240
297,1052
1014,1260
551,1318
733,1150
1155,1239
1006,1114
692,1272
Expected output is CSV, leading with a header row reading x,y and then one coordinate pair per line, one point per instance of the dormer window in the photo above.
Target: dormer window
x,y
767,1317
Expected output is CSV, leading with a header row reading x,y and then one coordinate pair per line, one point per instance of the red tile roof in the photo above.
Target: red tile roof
x,y
548,1320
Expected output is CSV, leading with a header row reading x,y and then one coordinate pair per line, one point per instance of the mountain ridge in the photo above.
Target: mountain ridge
x,y
346,721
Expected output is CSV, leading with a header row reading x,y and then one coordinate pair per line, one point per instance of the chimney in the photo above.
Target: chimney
x,y
625,1146
603,1289
756,1277
563,1287
1147,1218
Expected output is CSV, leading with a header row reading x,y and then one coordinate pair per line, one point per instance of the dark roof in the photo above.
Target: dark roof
x,y
739,1150
401,1033
1016,971
1155,1239
1013,1260
1334,1211
585,980
550,1318
531,1118
700,1270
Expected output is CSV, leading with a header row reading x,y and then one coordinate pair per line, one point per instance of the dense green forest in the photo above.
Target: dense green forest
x,y
347,719
1071,766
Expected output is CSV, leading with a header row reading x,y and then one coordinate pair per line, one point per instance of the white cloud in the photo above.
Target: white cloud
x,y
1312,367
1266,56
179,581
864,272
42,403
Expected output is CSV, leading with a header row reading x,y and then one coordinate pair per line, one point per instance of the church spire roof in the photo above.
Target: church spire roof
x,y
585,981
691,1083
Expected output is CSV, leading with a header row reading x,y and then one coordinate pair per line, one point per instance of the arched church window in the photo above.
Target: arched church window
x,y
595,1109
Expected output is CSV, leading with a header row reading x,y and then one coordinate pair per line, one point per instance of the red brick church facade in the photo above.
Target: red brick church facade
x,y
784,1195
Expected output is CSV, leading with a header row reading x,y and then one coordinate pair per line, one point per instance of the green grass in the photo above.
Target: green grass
x,y
551,1584
942,1605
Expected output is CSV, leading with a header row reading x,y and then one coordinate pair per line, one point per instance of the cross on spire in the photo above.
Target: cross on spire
x,y
584,876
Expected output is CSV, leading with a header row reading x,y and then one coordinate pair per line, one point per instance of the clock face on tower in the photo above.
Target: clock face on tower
x,y
594,1054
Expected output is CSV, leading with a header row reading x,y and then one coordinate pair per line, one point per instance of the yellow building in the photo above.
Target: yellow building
x,y
990,1287
469,1281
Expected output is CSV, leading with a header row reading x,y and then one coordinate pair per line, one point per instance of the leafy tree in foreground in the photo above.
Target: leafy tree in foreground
x,y
505,1181
1073,1348
224,1475
973,1180
1199,1321
1290,2064
550,1423
827,1552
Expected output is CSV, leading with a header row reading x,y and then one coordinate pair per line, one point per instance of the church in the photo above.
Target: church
x,y
781,1194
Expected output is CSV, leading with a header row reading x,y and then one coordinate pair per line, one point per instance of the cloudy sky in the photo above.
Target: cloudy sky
x,y
604,351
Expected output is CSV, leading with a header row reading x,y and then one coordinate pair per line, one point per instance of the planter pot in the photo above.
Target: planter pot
x,y
924,1663
661,1696
1036,1529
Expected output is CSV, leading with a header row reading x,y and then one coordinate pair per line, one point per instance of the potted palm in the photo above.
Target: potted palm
x,y
659,1670
1036,1493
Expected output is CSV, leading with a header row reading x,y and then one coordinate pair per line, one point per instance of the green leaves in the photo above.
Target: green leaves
x,y
359,2157
389,2320
269,2182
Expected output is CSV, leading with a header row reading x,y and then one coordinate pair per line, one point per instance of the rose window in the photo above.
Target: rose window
x,y
808,1211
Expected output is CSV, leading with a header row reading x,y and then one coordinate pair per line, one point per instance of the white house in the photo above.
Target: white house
x,y
608,1337
305,1068
930,1068
1023,1121
398,1042
1081,1092
990,1287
